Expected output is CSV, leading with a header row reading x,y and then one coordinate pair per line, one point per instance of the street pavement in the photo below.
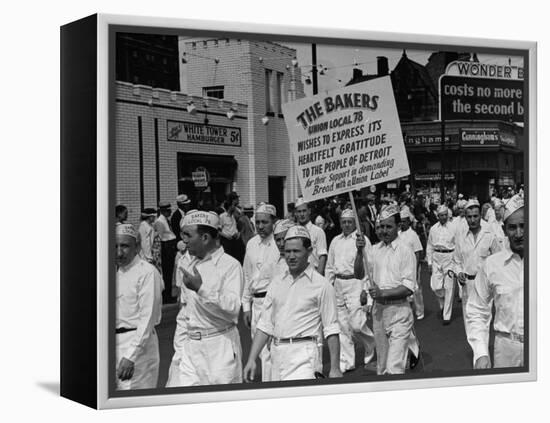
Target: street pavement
x,y
443,348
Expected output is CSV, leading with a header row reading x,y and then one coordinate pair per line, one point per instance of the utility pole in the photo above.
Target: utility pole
x,y
314,68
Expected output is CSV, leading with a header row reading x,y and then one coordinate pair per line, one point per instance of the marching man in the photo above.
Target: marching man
x,y
439,255
500,281
472,249
392,265
340,273
260,260
211,283
297,303
138,310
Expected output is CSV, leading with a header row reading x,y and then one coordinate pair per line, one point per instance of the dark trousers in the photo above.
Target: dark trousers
x,y
168,254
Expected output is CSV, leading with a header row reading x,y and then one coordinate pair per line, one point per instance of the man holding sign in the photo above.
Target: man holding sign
x,y
392,265
340,272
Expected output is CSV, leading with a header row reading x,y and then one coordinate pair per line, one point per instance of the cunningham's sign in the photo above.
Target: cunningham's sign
x,y
346,139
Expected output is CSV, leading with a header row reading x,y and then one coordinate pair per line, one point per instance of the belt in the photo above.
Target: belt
x,y
388,302
198,335
443,250
124,330
345,277
470,277
259,294
278,341
513,336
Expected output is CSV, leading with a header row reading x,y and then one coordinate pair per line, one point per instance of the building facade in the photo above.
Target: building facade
x,y
227,133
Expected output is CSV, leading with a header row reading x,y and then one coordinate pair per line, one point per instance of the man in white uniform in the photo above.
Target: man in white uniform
x,y
500,281
318,257
340,273
298,302
472,249
439,255
259,265
393,268
212,284
138,310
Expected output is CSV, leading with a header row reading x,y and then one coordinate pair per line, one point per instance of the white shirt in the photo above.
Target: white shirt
x,y
147,235
299,307
461,225
470,253
392,265
440,237
318,242
259,264
138,302
228,225
498,230
341,256
217,303
163,229
500,281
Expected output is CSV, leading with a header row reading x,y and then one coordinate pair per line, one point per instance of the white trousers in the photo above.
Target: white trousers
x,y
265,355
441,284
418,298
392,324
210,361
146,366
508,352
353,323
299,360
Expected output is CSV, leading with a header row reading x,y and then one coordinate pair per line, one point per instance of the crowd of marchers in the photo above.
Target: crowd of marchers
x,y
325,274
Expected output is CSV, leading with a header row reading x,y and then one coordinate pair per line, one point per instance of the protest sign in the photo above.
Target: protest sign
x,y
346,139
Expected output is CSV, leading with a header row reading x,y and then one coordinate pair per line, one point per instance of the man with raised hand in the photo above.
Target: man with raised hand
x,y
318,256
439,255
500,281
138,310
472,249
211,288
340,273
260,260
297,303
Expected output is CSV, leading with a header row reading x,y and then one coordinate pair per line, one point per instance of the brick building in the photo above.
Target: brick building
x,y
165,138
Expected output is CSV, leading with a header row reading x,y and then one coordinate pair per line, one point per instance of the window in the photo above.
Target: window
x,y
269,103
213,92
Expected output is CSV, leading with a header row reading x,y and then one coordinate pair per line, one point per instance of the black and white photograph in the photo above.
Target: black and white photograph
x,y
301,211
285,211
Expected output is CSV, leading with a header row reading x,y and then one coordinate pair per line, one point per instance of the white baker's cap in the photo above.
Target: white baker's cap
x,y
513,205
199,217
472,203
347,213
389,211
300,202
267,209
297,231
442,209
283,226
126,229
